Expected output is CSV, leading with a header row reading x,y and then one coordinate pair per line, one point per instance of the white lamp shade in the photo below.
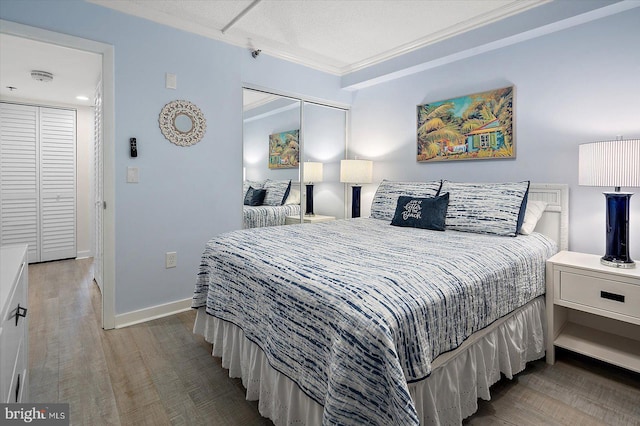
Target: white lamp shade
x,y
356,171
610,163
312,171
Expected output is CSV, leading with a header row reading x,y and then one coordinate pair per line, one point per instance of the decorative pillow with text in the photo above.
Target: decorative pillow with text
x,y
425,213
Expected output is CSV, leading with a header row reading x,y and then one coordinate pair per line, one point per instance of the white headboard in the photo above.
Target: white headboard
x,y
555,219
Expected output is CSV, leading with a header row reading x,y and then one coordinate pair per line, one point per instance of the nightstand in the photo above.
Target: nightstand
x,y
292,220
593,309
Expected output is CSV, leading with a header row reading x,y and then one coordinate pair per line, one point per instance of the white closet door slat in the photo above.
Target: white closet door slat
x,y
57,183
19,177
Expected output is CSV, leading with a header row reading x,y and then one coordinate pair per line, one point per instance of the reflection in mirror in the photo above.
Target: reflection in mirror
x,y
183,123
325,142
271,157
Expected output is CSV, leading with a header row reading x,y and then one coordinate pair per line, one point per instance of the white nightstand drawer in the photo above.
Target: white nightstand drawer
x,y
608,295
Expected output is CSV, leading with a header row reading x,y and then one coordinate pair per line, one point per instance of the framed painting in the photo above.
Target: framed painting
x,y
472,127
284,150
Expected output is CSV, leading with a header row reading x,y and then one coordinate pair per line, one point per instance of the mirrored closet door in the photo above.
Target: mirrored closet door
x,y
324,147
290,139
271,159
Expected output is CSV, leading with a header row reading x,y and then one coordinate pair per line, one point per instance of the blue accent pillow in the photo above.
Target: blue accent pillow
x,y
425,213
256,184
523,208
254,197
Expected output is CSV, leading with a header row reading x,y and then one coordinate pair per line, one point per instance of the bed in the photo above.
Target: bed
x,y
261,216
282,200
359,322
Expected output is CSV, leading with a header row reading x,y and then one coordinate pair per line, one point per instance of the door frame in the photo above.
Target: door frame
x,y
108,150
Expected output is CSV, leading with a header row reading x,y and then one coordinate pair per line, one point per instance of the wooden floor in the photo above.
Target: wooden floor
x,y
159,373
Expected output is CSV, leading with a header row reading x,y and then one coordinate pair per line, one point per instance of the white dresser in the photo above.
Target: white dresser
x,y
14,328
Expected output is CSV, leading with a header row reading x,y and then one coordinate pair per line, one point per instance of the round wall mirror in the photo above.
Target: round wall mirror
x,y
182,123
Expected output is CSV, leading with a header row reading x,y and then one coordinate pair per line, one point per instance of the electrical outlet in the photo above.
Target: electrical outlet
x,y
171,259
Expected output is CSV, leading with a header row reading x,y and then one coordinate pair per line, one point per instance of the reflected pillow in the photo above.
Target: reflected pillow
x,y
486,208
386,198
254,197
277,192
294,196
425,213
256,184
532,215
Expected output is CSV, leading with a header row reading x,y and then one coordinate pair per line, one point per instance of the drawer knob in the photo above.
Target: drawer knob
x,y
20,312
18,389
612,296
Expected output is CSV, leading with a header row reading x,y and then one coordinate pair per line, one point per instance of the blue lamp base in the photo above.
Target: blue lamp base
x,y
617,227
355,201
309,207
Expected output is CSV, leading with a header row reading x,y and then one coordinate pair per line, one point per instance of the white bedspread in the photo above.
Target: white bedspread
x,y
354,310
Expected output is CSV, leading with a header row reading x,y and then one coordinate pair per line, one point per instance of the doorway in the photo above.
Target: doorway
x,y
103,162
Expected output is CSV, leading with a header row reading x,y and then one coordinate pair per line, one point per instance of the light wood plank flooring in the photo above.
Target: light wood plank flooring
x,y
159,373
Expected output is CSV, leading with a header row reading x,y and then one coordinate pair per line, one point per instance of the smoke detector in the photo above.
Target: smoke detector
x,y
43,76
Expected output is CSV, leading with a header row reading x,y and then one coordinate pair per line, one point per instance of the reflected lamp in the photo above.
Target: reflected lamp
x,y
356,172
312,172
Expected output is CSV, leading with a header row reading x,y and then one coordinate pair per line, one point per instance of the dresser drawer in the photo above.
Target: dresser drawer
x,y
605,294
11,336
15,384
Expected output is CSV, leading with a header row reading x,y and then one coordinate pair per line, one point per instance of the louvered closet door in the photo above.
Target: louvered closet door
x,y
57,184
19,177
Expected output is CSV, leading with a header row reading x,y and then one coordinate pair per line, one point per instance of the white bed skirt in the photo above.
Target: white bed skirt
x,y
447,396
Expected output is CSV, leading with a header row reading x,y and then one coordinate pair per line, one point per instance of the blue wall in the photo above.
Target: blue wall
x,y
256,133
185,195
574,86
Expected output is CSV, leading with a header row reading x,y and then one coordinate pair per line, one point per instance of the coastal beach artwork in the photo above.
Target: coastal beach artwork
x,y
472,127
284,150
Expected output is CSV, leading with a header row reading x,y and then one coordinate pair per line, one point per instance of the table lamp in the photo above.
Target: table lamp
x,y
616,164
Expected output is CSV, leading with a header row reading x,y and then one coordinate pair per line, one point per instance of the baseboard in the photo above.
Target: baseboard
x,y
82,254
153,312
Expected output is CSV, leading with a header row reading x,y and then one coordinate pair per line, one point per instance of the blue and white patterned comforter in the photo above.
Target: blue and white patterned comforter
x,y
352,310
260,216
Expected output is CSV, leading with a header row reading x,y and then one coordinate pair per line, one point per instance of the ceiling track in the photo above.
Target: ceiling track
x,y
240,15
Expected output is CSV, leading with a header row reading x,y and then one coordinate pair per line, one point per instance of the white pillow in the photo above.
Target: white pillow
x,y
294,196
532,215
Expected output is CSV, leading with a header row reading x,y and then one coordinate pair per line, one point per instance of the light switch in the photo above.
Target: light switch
x,y
132,175
171,81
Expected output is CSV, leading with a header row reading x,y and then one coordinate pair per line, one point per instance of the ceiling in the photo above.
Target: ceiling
x,y
336,36
75,72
